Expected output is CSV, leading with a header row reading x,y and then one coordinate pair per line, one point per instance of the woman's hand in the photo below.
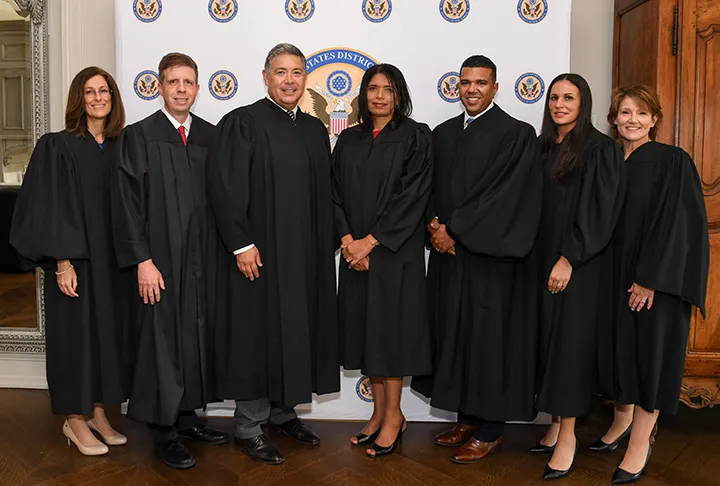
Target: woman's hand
x,y
560,275
357,250
639,296
363,265
67,278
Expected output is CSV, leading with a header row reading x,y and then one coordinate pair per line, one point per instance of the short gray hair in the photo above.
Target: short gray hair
x,y
280,49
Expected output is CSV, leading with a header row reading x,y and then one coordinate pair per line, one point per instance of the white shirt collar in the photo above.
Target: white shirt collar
x,y
294,110
467,117
177,124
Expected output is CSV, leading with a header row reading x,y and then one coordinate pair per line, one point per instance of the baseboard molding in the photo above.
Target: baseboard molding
x,y
22,370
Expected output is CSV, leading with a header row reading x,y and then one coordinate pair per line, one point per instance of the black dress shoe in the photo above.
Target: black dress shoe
x,y
205,435
384,451
297,430
541,448
365,439
551,474
623,477
175,454
261,449
600,446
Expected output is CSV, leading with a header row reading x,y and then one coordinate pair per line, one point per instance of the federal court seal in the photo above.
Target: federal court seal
x,y
529,88
363,388
147,10
223,85
454,10
222,10
532,11
377,10
332,88
146,85
300,10
449,87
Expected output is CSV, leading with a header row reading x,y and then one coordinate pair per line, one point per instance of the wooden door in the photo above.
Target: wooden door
x,y
699,135
643,53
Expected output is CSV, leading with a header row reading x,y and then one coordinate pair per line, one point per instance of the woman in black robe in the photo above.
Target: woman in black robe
x,y
382,178
62,222
660,270
583,191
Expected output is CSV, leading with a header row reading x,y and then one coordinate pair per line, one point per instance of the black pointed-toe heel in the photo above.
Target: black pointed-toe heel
x,y
541,448
600,446
365,439
623,477
384,451
551,474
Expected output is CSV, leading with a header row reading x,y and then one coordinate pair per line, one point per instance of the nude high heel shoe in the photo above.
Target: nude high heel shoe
x,y
96,450
114,440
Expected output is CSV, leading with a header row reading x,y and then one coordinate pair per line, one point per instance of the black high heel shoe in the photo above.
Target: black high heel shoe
x,y
384,451
551,474
623,477
541,448
600,446
366,439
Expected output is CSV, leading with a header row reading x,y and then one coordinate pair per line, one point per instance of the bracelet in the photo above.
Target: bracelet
x,y
66,270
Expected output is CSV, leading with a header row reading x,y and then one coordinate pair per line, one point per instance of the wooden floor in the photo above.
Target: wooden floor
x,y
17,300
34,452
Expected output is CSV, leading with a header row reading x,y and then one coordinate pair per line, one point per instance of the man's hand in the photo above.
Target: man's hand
x,y
67,278
248,262
560,275
441,240
150,281
433,226
357,250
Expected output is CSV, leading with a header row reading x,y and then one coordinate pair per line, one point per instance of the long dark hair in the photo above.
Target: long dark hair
x,y
75,116
403,103
574,142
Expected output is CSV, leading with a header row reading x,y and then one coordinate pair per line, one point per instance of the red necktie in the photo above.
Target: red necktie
x,y
182,134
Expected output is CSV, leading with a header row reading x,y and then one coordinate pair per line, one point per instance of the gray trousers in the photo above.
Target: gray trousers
x,y
251,414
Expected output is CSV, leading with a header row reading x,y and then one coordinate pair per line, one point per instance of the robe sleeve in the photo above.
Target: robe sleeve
x,y
129,199
675,250
598,204
228,179
500,216
431,210
48,222
342,227
399,219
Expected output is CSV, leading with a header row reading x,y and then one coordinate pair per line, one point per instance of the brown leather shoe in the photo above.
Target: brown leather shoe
x,y
474,451
456,436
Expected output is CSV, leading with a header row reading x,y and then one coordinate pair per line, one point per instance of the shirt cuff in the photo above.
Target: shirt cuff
x,y
244,249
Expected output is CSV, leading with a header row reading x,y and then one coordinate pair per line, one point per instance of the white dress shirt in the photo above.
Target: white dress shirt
x,y
177,124
467,120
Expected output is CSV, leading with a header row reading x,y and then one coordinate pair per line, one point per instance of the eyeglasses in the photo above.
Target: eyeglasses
x,y
104,93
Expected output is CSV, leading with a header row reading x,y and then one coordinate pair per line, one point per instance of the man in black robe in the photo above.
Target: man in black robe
x,y
483,218
275,332
163,228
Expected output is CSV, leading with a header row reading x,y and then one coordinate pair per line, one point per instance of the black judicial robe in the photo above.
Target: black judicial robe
x,y
63,212
579,215
161,212
661,242
381,186
270,184
487,189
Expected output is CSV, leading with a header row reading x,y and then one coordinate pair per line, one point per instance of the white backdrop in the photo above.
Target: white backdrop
x,y
529,40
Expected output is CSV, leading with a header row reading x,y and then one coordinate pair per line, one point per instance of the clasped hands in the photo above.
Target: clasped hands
x,y
356,252
440,239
